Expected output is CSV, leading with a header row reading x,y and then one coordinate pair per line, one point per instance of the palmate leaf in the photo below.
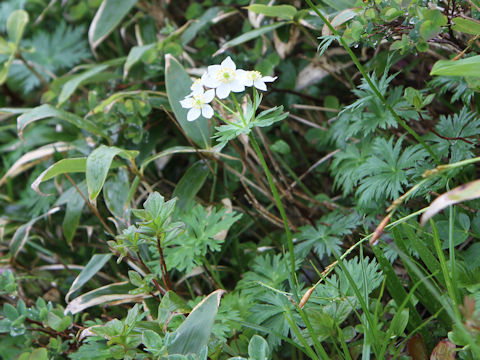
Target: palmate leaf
x,y
326,235
387,171
465,125
52,50
202,226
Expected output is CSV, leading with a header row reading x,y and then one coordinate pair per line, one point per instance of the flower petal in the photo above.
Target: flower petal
x,y
268,78
187,103
207,111
213,69
211,82
193,113
208,96
260,85
237,86
223,90
228,63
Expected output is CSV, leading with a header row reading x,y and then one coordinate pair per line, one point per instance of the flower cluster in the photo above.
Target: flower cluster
x,y
221,79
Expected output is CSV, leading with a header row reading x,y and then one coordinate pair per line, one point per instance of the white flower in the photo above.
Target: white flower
x,y
225,78
255,78
197,102
197,86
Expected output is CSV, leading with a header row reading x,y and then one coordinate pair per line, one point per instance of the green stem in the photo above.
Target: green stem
x,y
443,265
371,84
237,105
279,204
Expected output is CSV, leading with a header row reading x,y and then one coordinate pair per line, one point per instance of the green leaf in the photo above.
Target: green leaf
x,y
93,266
48,111
190,184
464,67
195,331
39,354
286,12
178,86
16,25
250,35
399,322
461,193
20,237
258,348
108,16
58,323
115,193
98,164
63,166
104,294
10,312
151,339
467,26
134,56
73,212
71,85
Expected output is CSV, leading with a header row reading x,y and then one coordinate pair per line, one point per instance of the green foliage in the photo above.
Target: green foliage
x,y
253,247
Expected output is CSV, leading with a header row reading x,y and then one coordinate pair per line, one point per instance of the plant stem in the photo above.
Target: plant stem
x,y
163,266
371,84
279,204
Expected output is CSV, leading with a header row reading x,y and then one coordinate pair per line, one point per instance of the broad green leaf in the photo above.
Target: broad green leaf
x,y
464,67
250,35
48,111
117,292
39,354
258,348
63,166
73,212
20,237
286,12
190,184
467,26
108,16
16,25
5,48
93,266
71,85
193,334
134,56
4,68
58,323
98,164
178,86
461,193
115,193
399,322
